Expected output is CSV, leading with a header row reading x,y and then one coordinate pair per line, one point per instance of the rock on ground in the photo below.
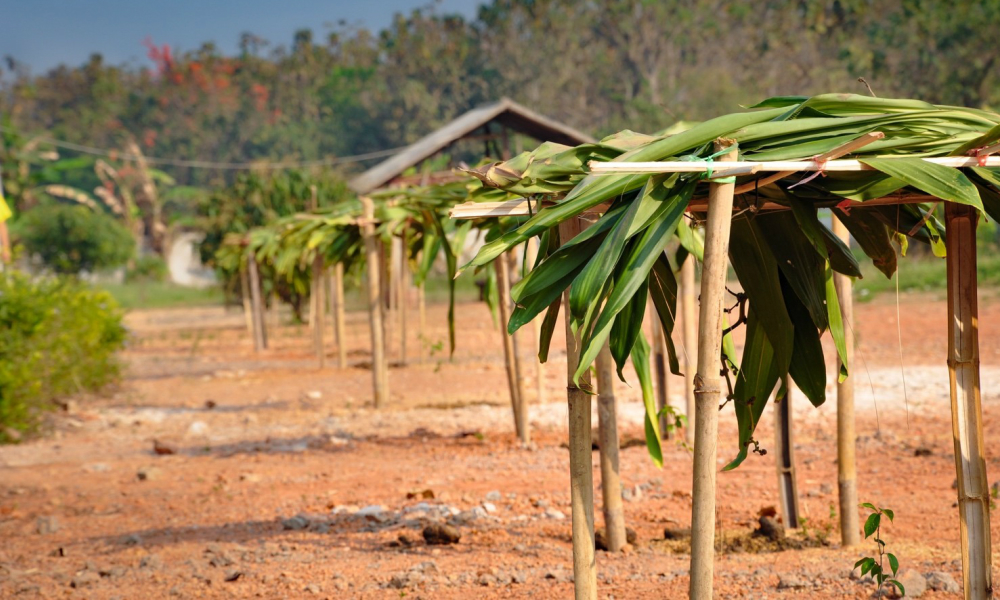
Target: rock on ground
x,y
939,581
437,534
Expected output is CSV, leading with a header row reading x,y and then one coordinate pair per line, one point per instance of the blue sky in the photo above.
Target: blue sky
x,y
45,33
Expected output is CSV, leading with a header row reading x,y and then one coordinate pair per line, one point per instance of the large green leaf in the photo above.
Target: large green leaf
x,y
803,268
808,366
824,242
663,293
651,421
937,180
626,328
635,271
755,381
873,237
836,319
757,271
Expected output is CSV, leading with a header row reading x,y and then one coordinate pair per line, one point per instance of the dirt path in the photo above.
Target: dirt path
x,y
285,480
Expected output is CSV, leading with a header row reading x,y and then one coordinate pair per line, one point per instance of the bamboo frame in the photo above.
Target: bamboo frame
x,y
707,386
581,473
966,409
784,458
786,166
514,384
847,477
339,319
247,304
318,303
689,330
380,379
611,483
259,331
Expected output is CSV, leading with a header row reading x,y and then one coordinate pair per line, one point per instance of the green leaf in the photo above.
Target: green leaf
x,y
757,271
640,360
801,266
663,293
626,329
635,271
873,237
937,180
871,524
755,381
889,513
893,563
867,566
902,590
808,365
869,505
836,320
825,243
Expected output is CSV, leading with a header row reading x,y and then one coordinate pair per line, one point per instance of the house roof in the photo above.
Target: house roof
x,y
505,111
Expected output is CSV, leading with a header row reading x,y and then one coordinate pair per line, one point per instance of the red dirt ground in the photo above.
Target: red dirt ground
x,y
285,439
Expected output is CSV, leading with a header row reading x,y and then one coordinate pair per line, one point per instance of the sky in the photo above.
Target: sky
x,y
46,33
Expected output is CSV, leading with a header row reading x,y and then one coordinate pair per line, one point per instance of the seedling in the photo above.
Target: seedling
x,y
869,564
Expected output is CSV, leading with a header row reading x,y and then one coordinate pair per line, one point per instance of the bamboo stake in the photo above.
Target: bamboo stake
x,y
659,371
706,381
319,308
259,333
784,458
314,283
375,306
611,483
690,342
402,289
509,351
966,409
422,325
536,325
339,317
247,306
581,474
847,478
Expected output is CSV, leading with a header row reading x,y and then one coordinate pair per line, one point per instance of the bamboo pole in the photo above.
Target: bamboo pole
x,y
784,458
689,325
611,483
402,299
422,323
659,370
536,325
847,477
337,296
319,308
791,166
375,305
706,381
259,332
966,409
514,384
245,297
581,458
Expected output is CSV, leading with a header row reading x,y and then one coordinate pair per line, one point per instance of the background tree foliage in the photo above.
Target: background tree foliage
x,y
600,66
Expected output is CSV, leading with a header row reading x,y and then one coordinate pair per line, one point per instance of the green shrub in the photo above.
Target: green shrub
x,y
57,337
74,238
148,268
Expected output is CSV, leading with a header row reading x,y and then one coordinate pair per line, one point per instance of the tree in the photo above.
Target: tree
x,y
70,239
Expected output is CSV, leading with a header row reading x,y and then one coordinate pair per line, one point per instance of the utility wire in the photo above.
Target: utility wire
x,y
204,164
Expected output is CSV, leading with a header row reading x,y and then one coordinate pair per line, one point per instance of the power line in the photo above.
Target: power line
x,y
205,164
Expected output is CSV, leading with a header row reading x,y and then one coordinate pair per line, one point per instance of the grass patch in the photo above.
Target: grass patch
x,y
923,274
161,294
